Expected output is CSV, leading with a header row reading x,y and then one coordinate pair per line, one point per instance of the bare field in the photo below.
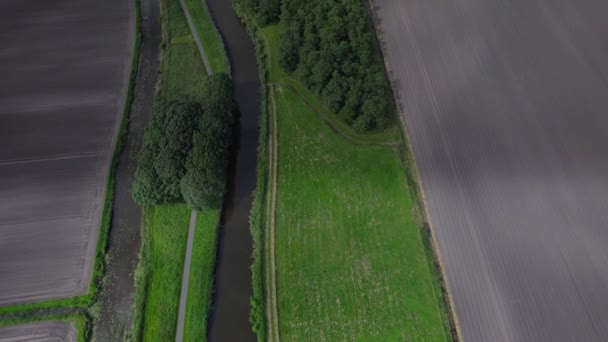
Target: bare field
x,y
64,66
505,104
50,331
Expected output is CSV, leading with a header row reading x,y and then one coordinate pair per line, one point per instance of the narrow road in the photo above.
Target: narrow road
x,y
179,336
201,50
183,300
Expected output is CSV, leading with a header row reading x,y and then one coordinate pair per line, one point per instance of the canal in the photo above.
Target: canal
x,y
230,313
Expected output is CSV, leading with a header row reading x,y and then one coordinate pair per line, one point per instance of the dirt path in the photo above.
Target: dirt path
x,y
271,277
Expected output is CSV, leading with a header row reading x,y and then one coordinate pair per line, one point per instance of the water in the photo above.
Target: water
x,y
230,315
117,294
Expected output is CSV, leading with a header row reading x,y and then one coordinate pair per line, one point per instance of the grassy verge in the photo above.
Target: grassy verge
x,y
210,37
164,228
164,234
272,315
389,289
106,218
200,288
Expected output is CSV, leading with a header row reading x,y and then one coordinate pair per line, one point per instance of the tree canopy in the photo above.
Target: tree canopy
x,y
185,150
328,45
266,11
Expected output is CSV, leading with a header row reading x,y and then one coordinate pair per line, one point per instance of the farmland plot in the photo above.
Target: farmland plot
x,y
52,331
65,67
506,109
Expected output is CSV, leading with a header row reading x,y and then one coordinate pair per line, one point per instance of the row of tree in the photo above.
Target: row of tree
x,y
185,149
329,46
266,11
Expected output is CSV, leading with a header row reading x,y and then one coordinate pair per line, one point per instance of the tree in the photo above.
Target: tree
x,y
162,158
203,185
185,150
328,45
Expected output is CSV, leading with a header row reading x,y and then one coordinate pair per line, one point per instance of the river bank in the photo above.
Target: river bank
x,y
115,313
231,302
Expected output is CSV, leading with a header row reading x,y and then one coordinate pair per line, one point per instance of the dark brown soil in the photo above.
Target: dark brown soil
x,y
505,104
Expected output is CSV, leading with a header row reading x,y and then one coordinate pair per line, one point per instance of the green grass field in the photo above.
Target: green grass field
x,y
351,262
165,230
165,227
201,275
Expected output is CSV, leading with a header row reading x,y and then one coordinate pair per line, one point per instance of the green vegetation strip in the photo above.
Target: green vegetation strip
x,y
351,258
201,275
210,37
164,232
164,227
348,247
414,308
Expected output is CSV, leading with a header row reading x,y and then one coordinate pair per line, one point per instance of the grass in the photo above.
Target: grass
x,y
352,255
346,237
210,37
106,217
276,74
200,288
165,228
164,234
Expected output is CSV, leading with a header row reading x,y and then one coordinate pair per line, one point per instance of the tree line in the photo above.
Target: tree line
x,y
185,150
329,46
